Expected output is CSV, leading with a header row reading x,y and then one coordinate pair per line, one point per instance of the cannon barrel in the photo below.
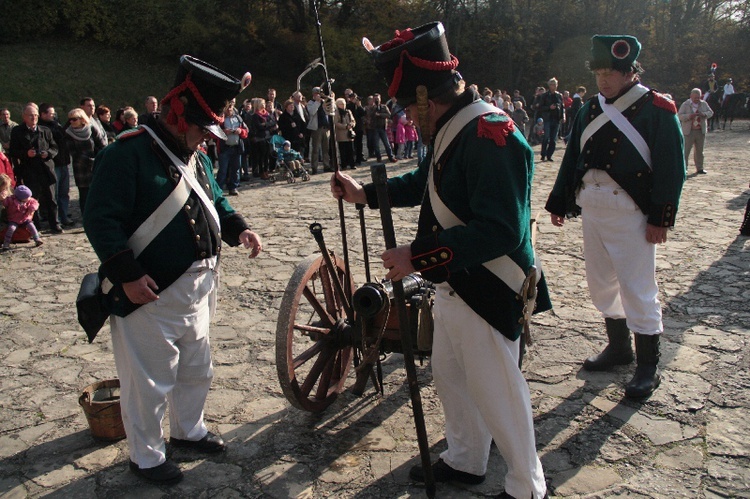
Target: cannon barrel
x,y
372,298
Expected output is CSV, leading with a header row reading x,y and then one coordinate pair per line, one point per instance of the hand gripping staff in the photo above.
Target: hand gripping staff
x,y
379,178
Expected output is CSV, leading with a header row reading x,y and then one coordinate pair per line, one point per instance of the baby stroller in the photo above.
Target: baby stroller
x,y
291,174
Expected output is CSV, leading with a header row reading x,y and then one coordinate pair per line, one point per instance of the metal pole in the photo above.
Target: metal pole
x,y
334,158
379,178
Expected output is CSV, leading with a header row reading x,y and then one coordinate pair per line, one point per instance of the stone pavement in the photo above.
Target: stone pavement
x,y
689,440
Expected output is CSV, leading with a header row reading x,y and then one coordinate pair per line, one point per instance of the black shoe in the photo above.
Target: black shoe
x,y
68,223
646,378
444,473
56,229
505,495
167,473
233,192
209,444
619,350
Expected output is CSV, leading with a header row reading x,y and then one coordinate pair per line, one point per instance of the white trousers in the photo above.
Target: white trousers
x,y
484,396
162,355
620,263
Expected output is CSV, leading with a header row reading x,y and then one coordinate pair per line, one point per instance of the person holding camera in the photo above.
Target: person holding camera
x,y
343,125
33,149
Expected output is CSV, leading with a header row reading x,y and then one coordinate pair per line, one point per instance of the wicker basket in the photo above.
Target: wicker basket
x,y
101,404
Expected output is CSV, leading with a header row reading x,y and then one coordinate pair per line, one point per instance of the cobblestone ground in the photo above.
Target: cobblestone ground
x,y
689,440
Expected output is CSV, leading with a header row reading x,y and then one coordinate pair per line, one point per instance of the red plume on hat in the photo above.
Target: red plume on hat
x,y
200,93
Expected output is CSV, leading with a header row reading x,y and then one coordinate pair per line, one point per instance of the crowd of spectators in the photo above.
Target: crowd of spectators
x,y
352,128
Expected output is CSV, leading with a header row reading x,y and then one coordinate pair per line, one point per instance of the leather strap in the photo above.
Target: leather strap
x,y
503,266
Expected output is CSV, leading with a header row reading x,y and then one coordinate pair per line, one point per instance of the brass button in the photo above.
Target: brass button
x,y
633,108
609,166
444,255
187,207
433,259
175,175
593,106
611,152
207,187
423,263
434,228
615,192
639,174
614,140
585,165
203,254
117,298
197,237
592,116
192,221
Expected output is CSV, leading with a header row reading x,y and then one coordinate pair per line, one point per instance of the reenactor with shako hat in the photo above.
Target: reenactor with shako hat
x,y
156,218
623,172
474,242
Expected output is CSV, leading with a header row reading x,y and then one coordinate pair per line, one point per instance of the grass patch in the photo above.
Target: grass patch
x,y
61,72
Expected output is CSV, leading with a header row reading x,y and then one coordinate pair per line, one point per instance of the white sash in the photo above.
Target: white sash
x,y
457,123
624,102
503,266
627,129
188,176
160,218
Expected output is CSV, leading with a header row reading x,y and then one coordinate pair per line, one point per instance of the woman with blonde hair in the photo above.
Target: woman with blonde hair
x,y
83,142
262,126
343,125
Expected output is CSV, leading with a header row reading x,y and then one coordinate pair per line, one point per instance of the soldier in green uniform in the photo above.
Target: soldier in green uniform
x,y
156,218
623,172
474,242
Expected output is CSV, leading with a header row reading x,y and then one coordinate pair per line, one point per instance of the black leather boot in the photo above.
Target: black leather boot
x,y
646,378
618,352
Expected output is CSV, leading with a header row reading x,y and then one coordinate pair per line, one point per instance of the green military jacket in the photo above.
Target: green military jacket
x,y
131,178
484,177
656,191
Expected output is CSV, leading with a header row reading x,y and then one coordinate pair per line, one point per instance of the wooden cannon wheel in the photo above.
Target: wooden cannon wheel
x,y
313,339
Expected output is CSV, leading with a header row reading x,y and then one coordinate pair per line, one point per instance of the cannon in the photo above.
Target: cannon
x,y
319,336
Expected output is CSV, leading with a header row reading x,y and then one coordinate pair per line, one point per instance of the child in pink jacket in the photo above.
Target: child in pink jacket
x,y
410,134
20,208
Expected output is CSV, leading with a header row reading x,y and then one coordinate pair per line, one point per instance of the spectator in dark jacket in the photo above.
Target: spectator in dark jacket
x,y
262,126
33,149
48,118
292,126
553,112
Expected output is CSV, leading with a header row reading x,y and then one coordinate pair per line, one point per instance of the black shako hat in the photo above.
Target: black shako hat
x,y
415,57
199,95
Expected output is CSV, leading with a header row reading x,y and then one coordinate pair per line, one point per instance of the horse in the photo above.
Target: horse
x,y
733,107
714,102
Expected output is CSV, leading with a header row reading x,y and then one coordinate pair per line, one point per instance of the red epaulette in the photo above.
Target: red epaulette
x,y
495,126
130,133
664,102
